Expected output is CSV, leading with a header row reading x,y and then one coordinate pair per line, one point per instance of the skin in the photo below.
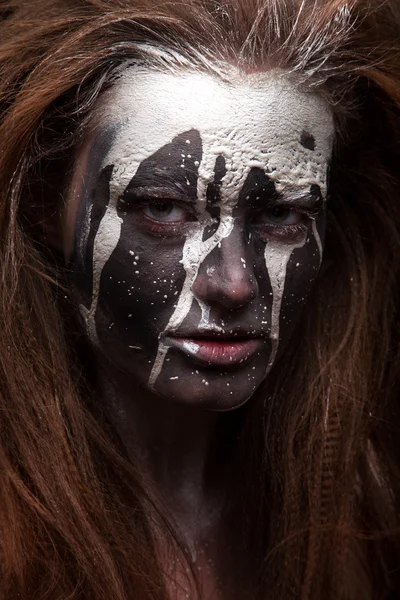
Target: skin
x,y
195,218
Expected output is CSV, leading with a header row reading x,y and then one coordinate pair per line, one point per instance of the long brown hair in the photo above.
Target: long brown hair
x,y
318,460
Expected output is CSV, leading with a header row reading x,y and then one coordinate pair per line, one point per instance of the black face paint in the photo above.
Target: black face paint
x,y
307,140
214,188
171,172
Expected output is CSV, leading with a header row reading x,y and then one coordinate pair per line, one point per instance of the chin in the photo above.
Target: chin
x,y
221,392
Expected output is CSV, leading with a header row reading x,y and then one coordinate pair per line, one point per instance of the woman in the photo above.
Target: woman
x,y
199,284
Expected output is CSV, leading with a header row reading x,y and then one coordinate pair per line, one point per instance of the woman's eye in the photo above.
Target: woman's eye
x,y
166,212
279,215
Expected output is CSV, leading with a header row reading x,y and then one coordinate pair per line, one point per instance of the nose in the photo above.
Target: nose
x,y
226,278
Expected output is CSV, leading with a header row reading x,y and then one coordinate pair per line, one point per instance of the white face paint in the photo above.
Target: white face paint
x,y
260,121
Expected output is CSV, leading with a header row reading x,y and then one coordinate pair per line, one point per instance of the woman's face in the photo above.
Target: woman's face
x,y
195,225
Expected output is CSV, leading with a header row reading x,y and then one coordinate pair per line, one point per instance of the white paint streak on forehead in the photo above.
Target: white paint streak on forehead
x,y
257,122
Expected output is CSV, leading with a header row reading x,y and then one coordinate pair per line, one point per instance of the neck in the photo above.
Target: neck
x,y
182,449
187,454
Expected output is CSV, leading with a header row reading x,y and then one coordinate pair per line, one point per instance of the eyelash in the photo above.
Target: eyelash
x,y
281,231
177,228
166,228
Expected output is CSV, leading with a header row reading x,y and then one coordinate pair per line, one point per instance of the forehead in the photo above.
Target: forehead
x,y
260,120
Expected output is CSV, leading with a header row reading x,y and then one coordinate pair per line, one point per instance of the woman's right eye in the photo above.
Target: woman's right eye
x,y
165,212
279,215
163,217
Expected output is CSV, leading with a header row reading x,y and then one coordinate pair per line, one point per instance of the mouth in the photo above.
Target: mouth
x,y
217,350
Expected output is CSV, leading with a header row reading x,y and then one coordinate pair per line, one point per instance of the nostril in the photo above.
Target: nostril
x,y
231,289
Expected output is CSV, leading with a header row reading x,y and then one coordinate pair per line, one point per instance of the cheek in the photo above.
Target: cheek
x,y
139,288
302,271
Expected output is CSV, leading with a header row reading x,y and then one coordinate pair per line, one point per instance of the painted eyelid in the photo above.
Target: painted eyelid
x,y
307,213
138,201
280,229
281,232
302,212
311,208
172,194
174,205
184,205
152,221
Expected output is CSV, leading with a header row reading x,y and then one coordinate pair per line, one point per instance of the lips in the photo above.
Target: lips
x,y
217,350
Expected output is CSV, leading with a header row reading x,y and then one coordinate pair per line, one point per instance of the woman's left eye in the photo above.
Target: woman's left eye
x,y
279,215
165,212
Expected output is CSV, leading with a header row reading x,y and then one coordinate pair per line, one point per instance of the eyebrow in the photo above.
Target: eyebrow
x,y
170,190
312,200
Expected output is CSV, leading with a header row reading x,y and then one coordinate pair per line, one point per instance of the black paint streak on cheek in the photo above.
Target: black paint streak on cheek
x,y
99,204
138,295
307,140
301,274
173,167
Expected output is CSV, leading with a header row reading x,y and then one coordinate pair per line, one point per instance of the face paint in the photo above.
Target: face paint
x,y
186,265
